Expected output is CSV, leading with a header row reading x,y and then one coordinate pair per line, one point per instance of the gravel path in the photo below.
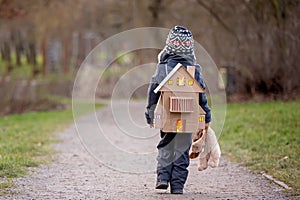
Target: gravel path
x,y
78,174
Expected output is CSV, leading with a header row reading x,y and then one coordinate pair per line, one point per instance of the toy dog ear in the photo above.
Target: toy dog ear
x,y
194,155
197,135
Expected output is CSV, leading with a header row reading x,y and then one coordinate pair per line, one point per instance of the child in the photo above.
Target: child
x,y
173,149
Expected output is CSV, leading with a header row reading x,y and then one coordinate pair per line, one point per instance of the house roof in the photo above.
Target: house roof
x,y
179,68
201,111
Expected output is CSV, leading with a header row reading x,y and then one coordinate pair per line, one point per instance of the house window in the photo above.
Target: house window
x,y
201,119
181,81
182,104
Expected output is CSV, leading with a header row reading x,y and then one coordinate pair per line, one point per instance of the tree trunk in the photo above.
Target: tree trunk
x,y
7,57
44,55
81,51
18,54
66,56
156,8
32,58
27,54
18,46
2,53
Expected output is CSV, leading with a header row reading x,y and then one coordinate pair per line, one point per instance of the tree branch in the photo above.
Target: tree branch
x,y
216,16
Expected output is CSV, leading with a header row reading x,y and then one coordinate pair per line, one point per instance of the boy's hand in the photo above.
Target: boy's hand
x,y
151,125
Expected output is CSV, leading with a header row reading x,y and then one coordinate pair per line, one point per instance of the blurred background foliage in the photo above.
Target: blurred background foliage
x,y
254,43
43,43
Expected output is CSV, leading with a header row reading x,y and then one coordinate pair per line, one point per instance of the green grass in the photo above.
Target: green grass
x,y
265,137
20,72
24,72
25,138
25,141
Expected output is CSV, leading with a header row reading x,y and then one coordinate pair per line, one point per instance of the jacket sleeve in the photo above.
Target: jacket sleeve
x,y
204,104
153,97
152,101
202,96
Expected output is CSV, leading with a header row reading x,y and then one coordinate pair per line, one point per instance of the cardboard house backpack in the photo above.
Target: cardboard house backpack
x,y
178,108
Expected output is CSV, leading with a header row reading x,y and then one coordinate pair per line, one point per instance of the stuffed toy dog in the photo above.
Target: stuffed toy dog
x,y
206,146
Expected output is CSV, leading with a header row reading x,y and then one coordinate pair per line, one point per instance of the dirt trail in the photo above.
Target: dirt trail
x,y
76,174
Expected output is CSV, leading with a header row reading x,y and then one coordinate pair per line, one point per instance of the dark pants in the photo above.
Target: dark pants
x,y
173,158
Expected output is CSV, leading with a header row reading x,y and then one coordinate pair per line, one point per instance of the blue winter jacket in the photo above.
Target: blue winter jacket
x,y
166,64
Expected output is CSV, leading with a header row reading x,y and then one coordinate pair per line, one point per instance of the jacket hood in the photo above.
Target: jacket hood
x,y
164,57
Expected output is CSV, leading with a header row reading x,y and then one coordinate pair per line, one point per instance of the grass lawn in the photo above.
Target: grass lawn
x,y
25,141
265,137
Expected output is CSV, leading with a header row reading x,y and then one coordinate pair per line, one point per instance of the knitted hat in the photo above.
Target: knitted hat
x,y
180,41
